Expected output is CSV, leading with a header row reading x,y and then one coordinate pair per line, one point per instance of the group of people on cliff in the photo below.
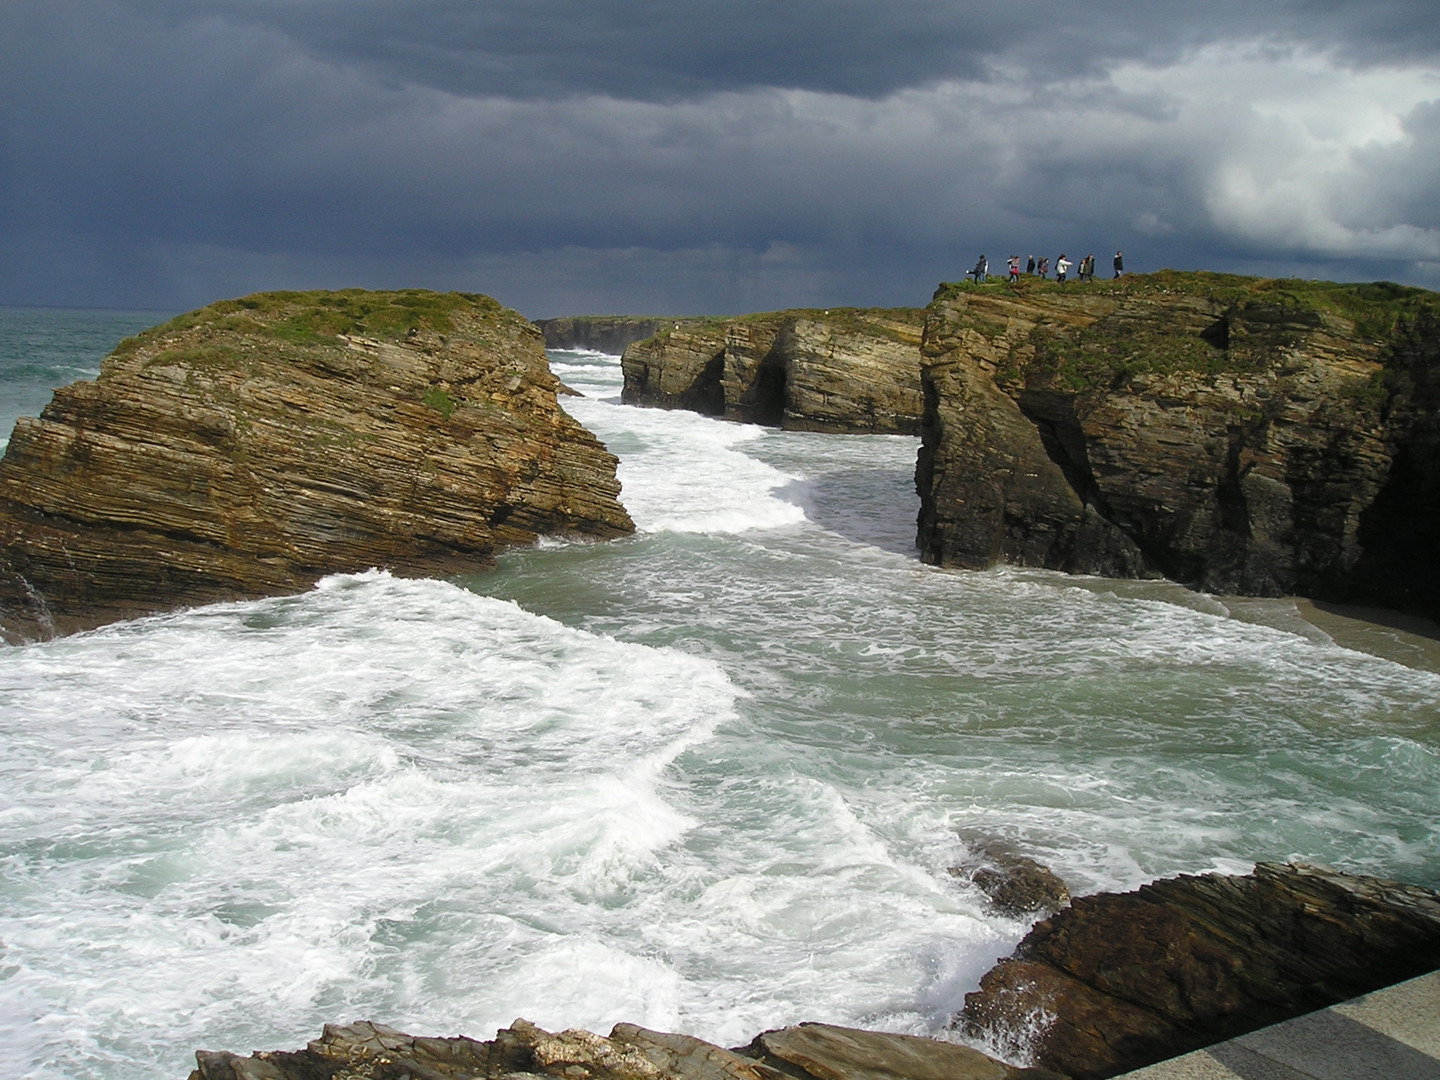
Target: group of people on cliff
x,y
1085,271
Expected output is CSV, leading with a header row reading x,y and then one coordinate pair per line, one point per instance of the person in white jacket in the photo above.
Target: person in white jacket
x,y
1062,264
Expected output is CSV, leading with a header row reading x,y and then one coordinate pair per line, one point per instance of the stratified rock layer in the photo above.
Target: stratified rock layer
x,y
1236,435
1117,981
809,1052
844,370
253,446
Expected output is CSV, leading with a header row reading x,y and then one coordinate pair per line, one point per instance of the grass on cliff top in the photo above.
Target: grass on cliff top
x,y
318,317
1373,308
842,318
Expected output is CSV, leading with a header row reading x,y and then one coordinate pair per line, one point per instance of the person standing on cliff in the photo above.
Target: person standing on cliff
x,y
1119,263
1014,261
1087,267
981,271
1029,264
1062,265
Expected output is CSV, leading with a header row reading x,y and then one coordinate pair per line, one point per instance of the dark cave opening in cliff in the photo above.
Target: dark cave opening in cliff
x,y
770,391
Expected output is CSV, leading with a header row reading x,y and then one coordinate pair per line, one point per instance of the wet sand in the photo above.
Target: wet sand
x,y
1405,639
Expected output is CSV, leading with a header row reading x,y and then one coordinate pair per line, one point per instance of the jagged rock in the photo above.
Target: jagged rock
x,y
844,370
827,1052
253,446
1117,981
1229,433
600,333
1015,884
630,1053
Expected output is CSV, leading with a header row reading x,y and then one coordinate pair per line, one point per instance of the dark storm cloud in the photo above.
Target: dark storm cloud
x,y
627,155
664,50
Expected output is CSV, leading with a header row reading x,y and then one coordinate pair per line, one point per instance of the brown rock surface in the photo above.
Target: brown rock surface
x,y
253,446
844,370
827,1052
1117,981
1231,434
630,1053
1015,884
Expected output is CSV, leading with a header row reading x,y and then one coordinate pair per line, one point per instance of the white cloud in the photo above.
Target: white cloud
x,y
1296,151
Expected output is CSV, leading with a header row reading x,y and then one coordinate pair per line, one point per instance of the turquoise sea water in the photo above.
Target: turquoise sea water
x,y
709,778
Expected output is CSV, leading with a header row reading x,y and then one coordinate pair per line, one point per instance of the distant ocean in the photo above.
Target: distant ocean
x,y
707,779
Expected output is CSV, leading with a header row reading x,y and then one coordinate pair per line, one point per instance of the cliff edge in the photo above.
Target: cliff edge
x,y
1238,435
846,370
253,446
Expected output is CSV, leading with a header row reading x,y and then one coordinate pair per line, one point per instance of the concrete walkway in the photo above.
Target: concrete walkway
x,y
1391,1034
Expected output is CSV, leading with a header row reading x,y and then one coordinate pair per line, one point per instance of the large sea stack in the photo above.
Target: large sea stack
x,y
250,447
600,333
1238,435
847,370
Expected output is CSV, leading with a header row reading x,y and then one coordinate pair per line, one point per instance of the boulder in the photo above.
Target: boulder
x,y
843,370
1117,981
1233,434
253,446
1015,884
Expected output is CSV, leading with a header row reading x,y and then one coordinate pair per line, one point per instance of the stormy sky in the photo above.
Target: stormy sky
x,y
703,156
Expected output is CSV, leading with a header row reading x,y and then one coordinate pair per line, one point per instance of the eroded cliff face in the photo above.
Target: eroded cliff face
x,y
253,446
843,370
600,333
1228,433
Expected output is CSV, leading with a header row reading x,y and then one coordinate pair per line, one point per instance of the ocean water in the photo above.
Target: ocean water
x,y
708,779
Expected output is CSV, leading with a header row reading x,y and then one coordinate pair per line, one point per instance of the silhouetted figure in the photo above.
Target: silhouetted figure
x,y
1029,264
981,271
1119,263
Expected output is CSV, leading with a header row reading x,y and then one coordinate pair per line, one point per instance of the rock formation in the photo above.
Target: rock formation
x,y
1015,884
809,1052
1117,981
251,447
844,370
600,333
1237,435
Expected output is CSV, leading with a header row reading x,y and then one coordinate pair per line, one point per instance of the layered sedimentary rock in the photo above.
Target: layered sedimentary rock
x,y
600,333
811,1052
1117,981
843,370
248,448
1237,435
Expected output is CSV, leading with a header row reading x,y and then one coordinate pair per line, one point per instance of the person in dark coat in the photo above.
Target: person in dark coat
x,y
1119,263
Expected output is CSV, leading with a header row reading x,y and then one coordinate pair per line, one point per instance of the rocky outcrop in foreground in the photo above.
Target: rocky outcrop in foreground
x,y
1117,981
843,370
253,446
1233,434
1111,983
807,1052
